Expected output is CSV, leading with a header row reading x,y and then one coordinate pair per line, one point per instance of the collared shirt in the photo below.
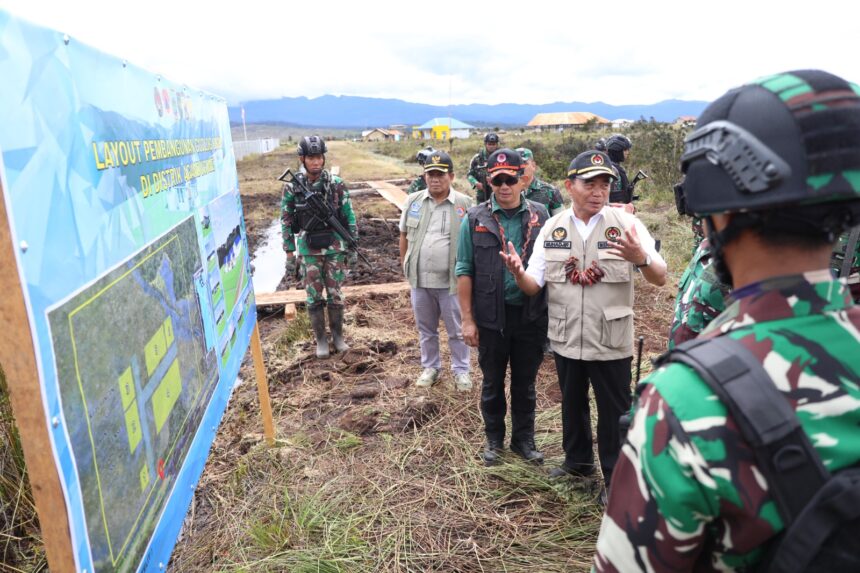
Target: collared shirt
x,y
433,254
537,263
513,229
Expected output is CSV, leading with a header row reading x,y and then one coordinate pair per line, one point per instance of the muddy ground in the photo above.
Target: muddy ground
x,y
356,435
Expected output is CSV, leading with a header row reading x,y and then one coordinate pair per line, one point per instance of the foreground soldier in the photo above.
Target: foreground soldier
x,y
506,325
477,175
323,253
429,231
535,189
691,491
586,257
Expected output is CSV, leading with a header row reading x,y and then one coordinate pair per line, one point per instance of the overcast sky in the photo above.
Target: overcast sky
x,y
618,52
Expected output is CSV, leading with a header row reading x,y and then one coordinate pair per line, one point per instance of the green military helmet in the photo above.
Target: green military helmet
x,y
525,153
787,139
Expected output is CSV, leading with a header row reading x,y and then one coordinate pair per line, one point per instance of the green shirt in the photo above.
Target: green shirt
x,y
513,230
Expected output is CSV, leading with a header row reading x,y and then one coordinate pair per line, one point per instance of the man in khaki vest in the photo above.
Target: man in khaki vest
x,y
587,257
429,231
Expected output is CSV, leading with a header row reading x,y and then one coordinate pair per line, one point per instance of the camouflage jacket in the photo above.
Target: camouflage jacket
x,y
420,184
686,493
478,174
701,297
545,194
838,258
337,195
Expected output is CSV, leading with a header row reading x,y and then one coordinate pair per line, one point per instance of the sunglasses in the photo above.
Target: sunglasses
x,y
508,180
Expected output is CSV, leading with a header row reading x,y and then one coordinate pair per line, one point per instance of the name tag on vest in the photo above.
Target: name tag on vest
x,y
603,245
556,244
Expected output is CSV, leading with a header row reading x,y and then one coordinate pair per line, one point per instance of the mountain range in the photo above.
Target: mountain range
x,y
365,112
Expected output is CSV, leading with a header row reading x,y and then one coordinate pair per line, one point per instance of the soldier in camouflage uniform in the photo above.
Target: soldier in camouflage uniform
x,y
420,184
535,189
701,295
687,493
477,175
323,254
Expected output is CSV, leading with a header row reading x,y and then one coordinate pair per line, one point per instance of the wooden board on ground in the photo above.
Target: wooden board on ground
x,y
391,192
285,297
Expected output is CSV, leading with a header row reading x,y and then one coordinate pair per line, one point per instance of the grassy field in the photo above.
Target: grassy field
x,y
370,473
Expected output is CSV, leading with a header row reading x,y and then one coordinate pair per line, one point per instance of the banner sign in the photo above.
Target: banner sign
x,y
124,211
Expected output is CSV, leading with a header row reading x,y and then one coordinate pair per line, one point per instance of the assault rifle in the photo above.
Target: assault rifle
x,y
321,210
639,177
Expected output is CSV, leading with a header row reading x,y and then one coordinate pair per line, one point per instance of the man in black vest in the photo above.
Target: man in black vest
x,y
505,324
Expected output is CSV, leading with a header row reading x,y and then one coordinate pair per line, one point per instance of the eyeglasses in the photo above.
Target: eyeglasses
x,y
508,180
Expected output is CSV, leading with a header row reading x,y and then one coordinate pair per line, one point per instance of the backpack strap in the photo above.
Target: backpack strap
x,y
791,466
850,248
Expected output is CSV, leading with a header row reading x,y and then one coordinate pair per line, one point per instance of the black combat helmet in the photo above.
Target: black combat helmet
x,y
421,156
491,138
312,145
783,140
616,144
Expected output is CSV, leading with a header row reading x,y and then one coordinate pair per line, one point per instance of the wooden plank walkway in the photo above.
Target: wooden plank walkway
x,y
284,297
391,192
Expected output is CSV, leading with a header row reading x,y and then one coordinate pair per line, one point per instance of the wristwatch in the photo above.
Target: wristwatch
x,y
646,263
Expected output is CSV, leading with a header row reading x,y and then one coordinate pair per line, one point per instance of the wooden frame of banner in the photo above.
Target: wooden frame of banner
x,y
262,386
18,359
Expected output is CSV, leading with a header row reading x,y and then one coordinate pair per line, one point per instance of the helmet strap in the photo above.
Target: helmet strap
x,y
719,239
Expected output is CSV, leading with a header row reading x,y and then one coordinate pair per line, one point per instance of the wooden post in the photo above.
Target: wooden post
x,y
262,386
18,359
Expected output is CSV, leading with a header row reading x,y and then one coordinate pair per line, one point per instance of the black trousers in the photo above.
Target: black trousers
x,y
521,345
611,382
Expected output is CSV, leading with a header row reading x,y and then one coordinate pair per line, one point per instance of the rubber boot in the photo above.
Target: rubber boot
x,y
335,321
523,436
317,316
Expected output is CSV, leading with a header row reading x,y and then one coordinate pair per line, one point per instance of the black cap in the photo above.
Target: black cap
x,y
491,138
504,159
438,160
591,164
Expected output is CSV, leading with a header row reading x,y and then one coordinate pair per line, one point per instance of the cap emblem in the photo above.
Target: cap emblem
x,y
437,159
596,159
501,158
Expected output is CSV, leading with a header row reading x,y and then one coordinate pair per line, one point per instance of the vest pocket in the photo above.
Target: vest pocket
x,y
617,326
615,271
484,299
557,327
554,272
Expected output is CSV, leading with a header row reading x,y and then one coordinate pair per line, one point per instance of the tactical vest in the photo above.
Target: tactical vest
x,y
589,322
488,286
319,234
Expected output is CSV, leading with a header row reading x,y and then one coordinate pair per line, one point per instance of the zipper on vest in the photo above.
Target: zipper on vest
x,y
582,303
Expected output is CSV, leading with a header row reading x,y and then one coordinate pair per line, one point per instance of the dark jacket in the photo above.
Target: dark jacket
x,y
488,290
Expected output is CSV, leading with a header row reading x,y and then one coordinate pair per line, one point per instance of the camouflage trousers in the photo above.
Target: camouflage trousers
x,y
327,271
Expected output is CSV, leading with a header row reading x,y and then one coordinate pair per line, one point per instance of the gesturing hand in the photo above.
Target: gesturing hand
x,y
628,247
512,260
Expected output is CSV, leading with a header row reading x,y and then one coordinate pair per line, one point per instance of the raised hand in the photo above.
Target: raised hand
x,y
628,247
512,260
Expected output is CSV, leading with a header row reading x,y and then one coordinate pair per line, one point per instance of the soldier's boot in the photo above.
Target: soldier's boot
x,y
335,321
523,437
317,316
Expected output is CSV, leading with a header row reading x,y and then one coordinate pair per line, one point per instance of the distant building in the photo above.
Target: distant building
x,y
442,128
619,123
380,134
686,121
565,119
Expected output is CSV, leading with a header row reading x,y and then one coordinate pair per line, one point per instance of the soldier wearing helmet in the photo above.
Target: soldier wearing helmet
x,y
322,254
420,183
772,167
618,148
477,175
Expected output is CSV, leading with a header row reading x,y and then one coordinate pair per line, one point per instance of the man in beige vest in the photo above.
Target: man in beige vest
x,y
429,231
587,257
